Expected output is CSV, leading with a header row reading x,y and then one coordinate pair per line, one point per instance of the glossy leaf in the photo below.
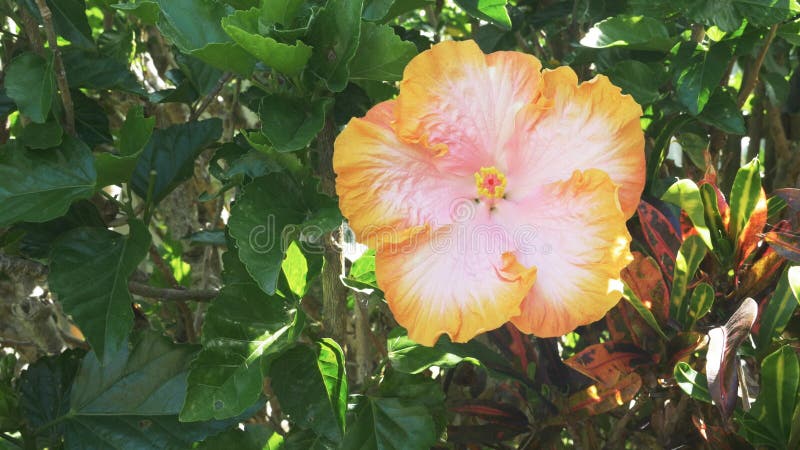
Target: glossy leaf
x,y
91,70
492,11
791,196
745,195
691,382
291,124
91,121
635,32
390,424
39,136
723,112
697,81
640,80
661,237
30,82
607,362
170,153
295,268
656,157
258,223
102,308
381,54
649,291
243,28
36,186
685,194
334,34
243,328
699,304
721,360
780,308
690,255
312,387
752,232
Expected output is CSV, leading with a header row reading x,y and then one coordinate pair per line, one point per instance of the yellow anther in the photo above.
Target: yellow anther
x,y
491,182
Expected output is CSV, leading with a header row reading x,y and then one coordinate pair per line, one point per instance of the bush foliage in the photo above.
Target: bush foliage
x,y
174,270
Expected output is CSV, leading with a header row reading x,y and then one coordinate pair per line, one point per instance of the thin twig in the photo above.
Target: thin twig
x,y
210,97
750,78
61,74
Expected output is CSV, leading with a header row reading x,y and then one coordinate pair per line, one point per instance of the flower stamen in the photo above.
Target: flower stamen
x,y
491,183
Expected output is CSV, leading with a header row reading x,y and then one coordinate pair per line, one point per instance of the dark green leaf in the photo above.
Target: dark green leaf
x,y
334,34
37,186
280,12
203,77
291,124
492,11
723,113
779,310
146,10
409,357
39,238
381,54
312,387
386,10
226,56
252,437
638,79
766,13
192,24
41,135
91,121
390,424
30,81
643,311
101,308
243,27
635,32
170,153
133,136
258,222
69,19
93,71
697,81
242,328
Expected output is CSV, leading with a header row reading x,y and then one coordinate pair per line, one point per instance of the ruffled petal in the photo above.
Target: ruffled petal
x,y
458,102
579,127
389,189
458,280
574,233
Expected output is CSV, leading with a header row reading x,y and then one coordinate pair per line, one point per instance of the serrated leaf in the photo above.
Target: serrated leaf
x,y
262,212
381,54
685,194
31,83
243,28
291,124
635,32
40,136
409,357
334,34
101,308
242,328
192,24
133,136
281,12
171,152
311,386
37,186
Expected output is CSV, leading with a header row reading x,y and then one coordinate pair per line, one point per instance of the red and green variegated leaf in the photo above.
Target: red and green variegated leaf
x,y
779,309
775,406
598,399
691,253
684,344
693,383
791,196
752,232
745,194
721,359
686,195
699,305
761,274
607,362
775,206
660,235
643,310
785,243
644,278
717,215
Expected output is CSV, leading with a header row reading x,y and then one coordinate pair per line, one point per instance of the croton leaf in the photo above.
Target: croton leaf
x,y
690,255
745,195
599,398
608,361
661,236
694,384
686,195
779,310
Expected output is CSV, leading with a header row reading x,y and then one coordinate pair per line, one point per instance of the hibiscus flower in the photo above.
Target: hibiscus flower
x,y
493,191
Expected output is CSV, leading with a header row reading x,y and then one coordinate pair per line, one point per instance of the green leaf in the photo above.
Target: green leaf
x,y
91,70
69,20
779,310
192,24
102,308
242,328
775,405
685,194
723,112
661,146
41,135
312,387
91,121
640,80
697,81
635,32
766,13
258,222
133,136
146,10
409,357
31,83
295,267
691,253
694,384
170,153
226,56
699,305
643,311
291,124
252,437
334,33
744,197
386,10
37,186
243,27
390,424
132,400
492,11
281,12
381,54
